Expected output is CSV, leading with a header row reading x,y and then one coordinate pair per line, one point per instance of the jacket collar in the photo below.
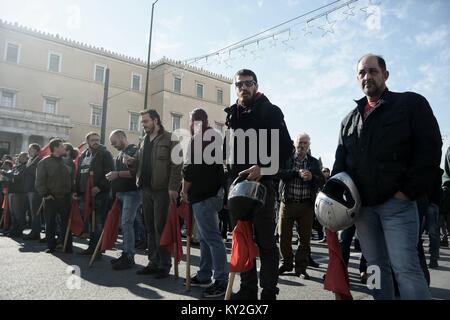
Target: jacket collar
x,y
385,98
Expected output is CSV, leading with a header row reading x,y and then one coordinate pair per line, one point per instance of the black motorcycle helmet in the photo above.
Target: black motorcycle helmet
x,y
246,198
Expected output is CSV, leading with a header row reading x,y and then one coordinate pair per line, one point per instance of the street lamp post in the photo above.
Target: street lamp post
x,y
148,58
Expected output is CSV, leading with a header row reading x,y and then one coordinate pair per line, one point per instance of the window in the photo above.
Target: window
x,y
96,116
100,71
12,52
50,105
199,90
134,122
8,99
54,62
176,122
177,85
220,96
136,82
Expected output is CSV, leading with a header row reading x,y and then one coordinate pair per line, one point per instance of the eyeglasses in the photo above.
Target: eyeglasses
x,y
248,83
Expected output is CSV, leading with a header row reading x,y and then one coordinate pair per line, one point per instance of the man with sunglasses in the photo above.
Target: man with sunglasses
x,y
252,113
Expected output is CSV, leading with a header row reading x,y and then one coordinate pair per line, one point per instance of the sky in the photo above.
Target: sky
x,y
309,70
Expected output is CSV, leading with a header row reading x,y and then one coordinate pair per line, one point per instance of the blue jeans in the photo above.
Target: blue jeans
x,y
388,235
431,224
212,249
129,203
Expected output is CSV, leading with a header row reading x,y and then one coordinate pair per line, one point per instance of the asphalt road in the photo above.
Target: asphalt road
x,y
26,272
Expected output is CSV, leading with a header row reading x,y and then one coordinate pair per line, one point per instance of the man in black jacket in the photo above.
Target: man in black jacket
x,y
34,199
54,183
18,196
254,114
390,144
95,161
299,187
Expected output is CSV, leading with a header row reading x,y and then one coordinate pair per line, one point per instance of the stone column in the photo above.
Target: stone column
x,y
25,142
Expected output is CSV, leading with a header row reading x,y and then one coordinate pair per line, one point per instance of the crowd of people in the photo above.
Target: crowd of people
x,y
390,145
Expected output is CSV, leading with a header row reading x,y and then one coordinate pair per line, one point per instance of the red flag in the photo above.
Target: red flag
x,y
5,207
244,250
336,279
45,151
172,234
185,213
77,224
111,229
88,198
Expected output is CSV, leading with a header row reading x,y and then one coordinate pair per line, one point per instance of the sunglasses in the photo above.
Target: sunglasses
x,y
248,83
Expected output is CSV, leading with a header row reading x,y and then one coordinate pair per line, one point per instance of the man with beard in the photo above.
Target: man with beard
x,y
95,161
390,145
254,114
159,178
299,186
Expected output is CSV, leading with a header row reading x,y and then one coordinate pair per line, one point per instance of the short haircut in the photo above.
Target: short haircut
x,y
90,134
153,114
73,152
301,135
120,133
325,169
35,146
54,143
246,72
7,163
381,61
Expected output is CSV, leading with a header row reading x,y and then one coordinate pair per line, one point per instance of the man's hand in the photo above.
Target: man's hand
x,y
306,175
184,196
400,195
113,175
254,173
94,191
128,161
173,195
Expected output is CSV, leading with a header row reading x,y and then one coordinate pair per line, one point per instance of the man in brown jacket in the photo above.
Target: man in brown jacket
x,y
159,179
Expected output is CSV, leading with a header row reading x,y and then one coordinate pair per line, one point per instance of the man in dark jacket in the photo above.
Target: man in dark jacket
x,y
18,196
95,161
203,189
34,199
255,115
54,183
299,186
445,215
390,145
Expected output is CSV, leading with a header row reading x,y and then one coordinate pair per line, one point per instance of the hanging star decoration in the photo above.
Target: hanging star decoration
x,y
327,27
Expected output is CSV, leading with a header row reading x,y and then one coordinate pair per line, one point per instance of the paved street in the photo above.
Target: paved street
x,y
28,273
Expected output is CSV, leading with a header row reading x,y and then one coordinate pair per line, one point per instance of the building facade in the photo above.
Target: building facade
x,y
54,87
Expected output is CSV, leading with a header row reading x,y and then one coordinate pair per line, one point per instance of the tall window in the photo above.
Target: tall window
x,y
96,116
100,71
54,62
136,82
7,98
134,122
220,96
12,52
176,122
199,90
50,105
177,85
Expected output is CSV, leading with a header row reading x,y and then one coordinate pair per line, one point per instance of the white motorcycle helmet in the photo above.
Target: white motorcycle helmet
x,y
338,204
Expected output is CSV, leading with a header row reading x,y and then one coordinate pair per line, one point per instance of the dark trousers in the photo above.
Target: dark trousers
x,y
156,208
19,207
347,237
264,229
34,203
52,208
301,213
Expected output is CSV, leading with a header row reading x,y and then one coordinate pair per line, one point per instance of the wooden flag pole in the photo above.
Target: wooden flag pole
x,y
67,232
230,286
175,260
97,249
